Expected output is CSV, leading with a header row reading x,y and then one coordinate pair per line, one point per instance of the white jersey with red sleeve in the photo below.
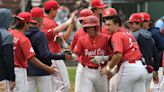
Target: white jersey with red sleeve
x,y
87,47
22,49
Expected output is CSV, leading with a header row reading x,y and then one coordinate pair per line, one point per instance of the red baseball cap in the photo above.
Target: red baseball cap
x,y
135,17
36,12
98,4
51,4
109,12
25,17
145,16
84,13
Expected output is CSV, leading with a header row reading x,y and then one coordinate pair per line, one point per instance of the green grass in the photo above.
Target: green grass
x,y
72,72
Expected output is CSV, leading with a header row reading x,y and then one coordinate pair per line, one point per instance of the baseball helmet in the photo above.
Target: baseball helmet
x,y
51,4
109,12
98,4
84,13
91,21
36,12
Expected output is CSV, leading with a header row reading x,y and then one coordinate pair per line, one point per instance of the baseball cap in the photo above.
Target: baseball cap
x,y
25,17
135,17
109,12
36,12
145,16
51,4
98,4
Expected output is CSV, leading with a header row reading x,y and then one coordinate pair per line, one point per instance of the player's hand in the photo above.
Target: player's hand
x,y
110,75
58,39
97,59
155,77
68,55
73,16
52,70
12,85
103,71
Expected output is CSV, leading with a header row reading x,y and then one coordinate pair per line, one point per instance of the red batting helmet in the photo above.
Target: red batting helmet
x,y
51,4
84,13
91,21
98,4
109,12
36,12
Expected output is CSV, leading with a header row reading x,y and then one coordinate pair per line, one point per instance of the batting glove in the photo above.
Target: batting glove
x,y
99,59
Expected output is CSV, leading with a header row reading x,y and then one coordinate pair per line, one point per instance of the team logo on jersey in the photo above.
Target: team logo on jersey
x,y
94,52
31,50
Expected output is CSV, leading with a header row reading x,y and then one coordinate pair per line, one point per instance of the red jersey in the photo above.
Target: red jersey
x,y
48,25
87,47
22,49
77,35
126,44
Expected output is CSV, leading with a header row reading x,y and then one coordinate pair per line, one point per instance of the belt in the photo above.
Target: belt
x,y
91,67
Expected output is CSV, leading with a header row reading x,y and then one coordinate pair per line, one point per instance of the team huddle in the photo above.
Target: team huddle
x,y
111,57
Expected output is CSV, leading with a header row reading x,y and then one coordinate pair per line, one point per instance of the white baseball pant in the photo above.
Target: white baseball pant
x,y
60,82
4,86
21,79
131,77
112,85
42,83
91,79
78,76
148,81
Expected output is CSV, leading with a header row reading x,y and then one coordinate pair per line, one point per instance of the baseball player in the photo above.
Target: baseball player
x,y
132,73
158,38
51,29
23,52
146,43
6,53
38,78
79,33
108,13
92,44
97,7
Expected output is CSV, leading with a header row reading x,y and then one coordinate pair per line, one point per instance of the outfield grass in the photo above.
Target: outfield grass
x,y
72,72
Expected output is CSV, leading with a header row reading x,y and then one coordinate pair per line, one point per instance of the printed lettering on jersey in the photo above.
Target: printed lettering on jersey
x,y
31,50
132,41
95,52
15,40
